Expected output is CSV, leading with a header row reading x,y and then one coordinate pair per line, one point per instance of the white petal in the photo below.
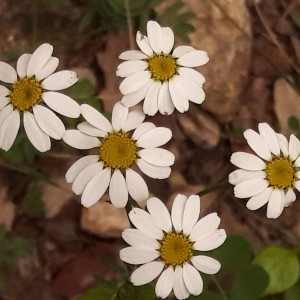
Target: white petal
x,y
137,256
79,165
136,185
87,128
289,198
160,214
150,106
155,137
192,75
164,100
62,104
164,283
146,273
7,73
127,68
39,58
60,80
297,162
152,171
193,59
48,69
275,204
22,64
49,122
177,211
3,101
294,147
212,241
7,110
134,119
297,185
155,36
132,55
38,138
247,161
205,226
143,128
283,144
240,175
96,188
9,130
182,50
4,91
191,214
135,237
85,176
134,98
192,279
134,82
118,193
95,118
79,140
250,188
157,157
258,144
206,264
143,44
145,223
168,39
179,287
119,116
178,95
269,135
260,199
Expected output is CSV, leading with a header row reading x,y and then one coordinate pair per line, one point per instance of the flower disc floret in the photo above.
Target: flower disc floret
x,y
280,173
26,92
118,150
175,249
162,67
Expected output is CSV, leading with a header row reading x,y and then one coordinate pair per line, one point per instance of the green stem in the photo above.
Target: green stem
x,y
129,24
214,187
219,287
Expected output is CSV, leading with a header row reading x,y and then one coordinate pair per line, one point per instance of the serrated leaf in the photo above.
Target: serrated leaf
x,y
282,266
250,284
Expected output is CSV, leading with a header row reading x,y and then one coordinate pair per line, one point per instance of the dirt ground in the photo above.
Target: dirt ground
x,y
73,245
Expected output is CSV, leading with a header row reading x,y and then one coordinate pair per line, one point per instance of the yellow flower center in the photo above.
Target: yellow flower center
x,y
25,93
175,249
280,172
162,67
118,151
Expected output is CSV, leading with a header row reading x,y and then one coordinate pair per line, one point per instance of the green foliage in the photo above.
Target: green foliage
x,y
250,284
294,292
206,295
33,204
12,247
234,254
294,124
115,290
282,266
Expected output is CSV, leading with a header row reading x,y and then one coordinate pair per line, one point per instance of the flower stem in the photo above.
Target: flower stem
x,y
219,287
214,187
129,24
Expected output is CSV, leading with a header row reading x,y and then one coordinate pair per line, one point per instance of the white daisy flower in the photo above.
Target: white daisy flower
x,y
271,175
164,77
28,91
117,152
164,245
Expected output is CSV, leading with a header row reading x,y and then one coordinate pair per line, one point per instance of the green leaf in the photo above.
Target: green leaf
x,y
207,296
250,284
130,292
81,90
234,254
293,123
282,265
107,290
294,292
